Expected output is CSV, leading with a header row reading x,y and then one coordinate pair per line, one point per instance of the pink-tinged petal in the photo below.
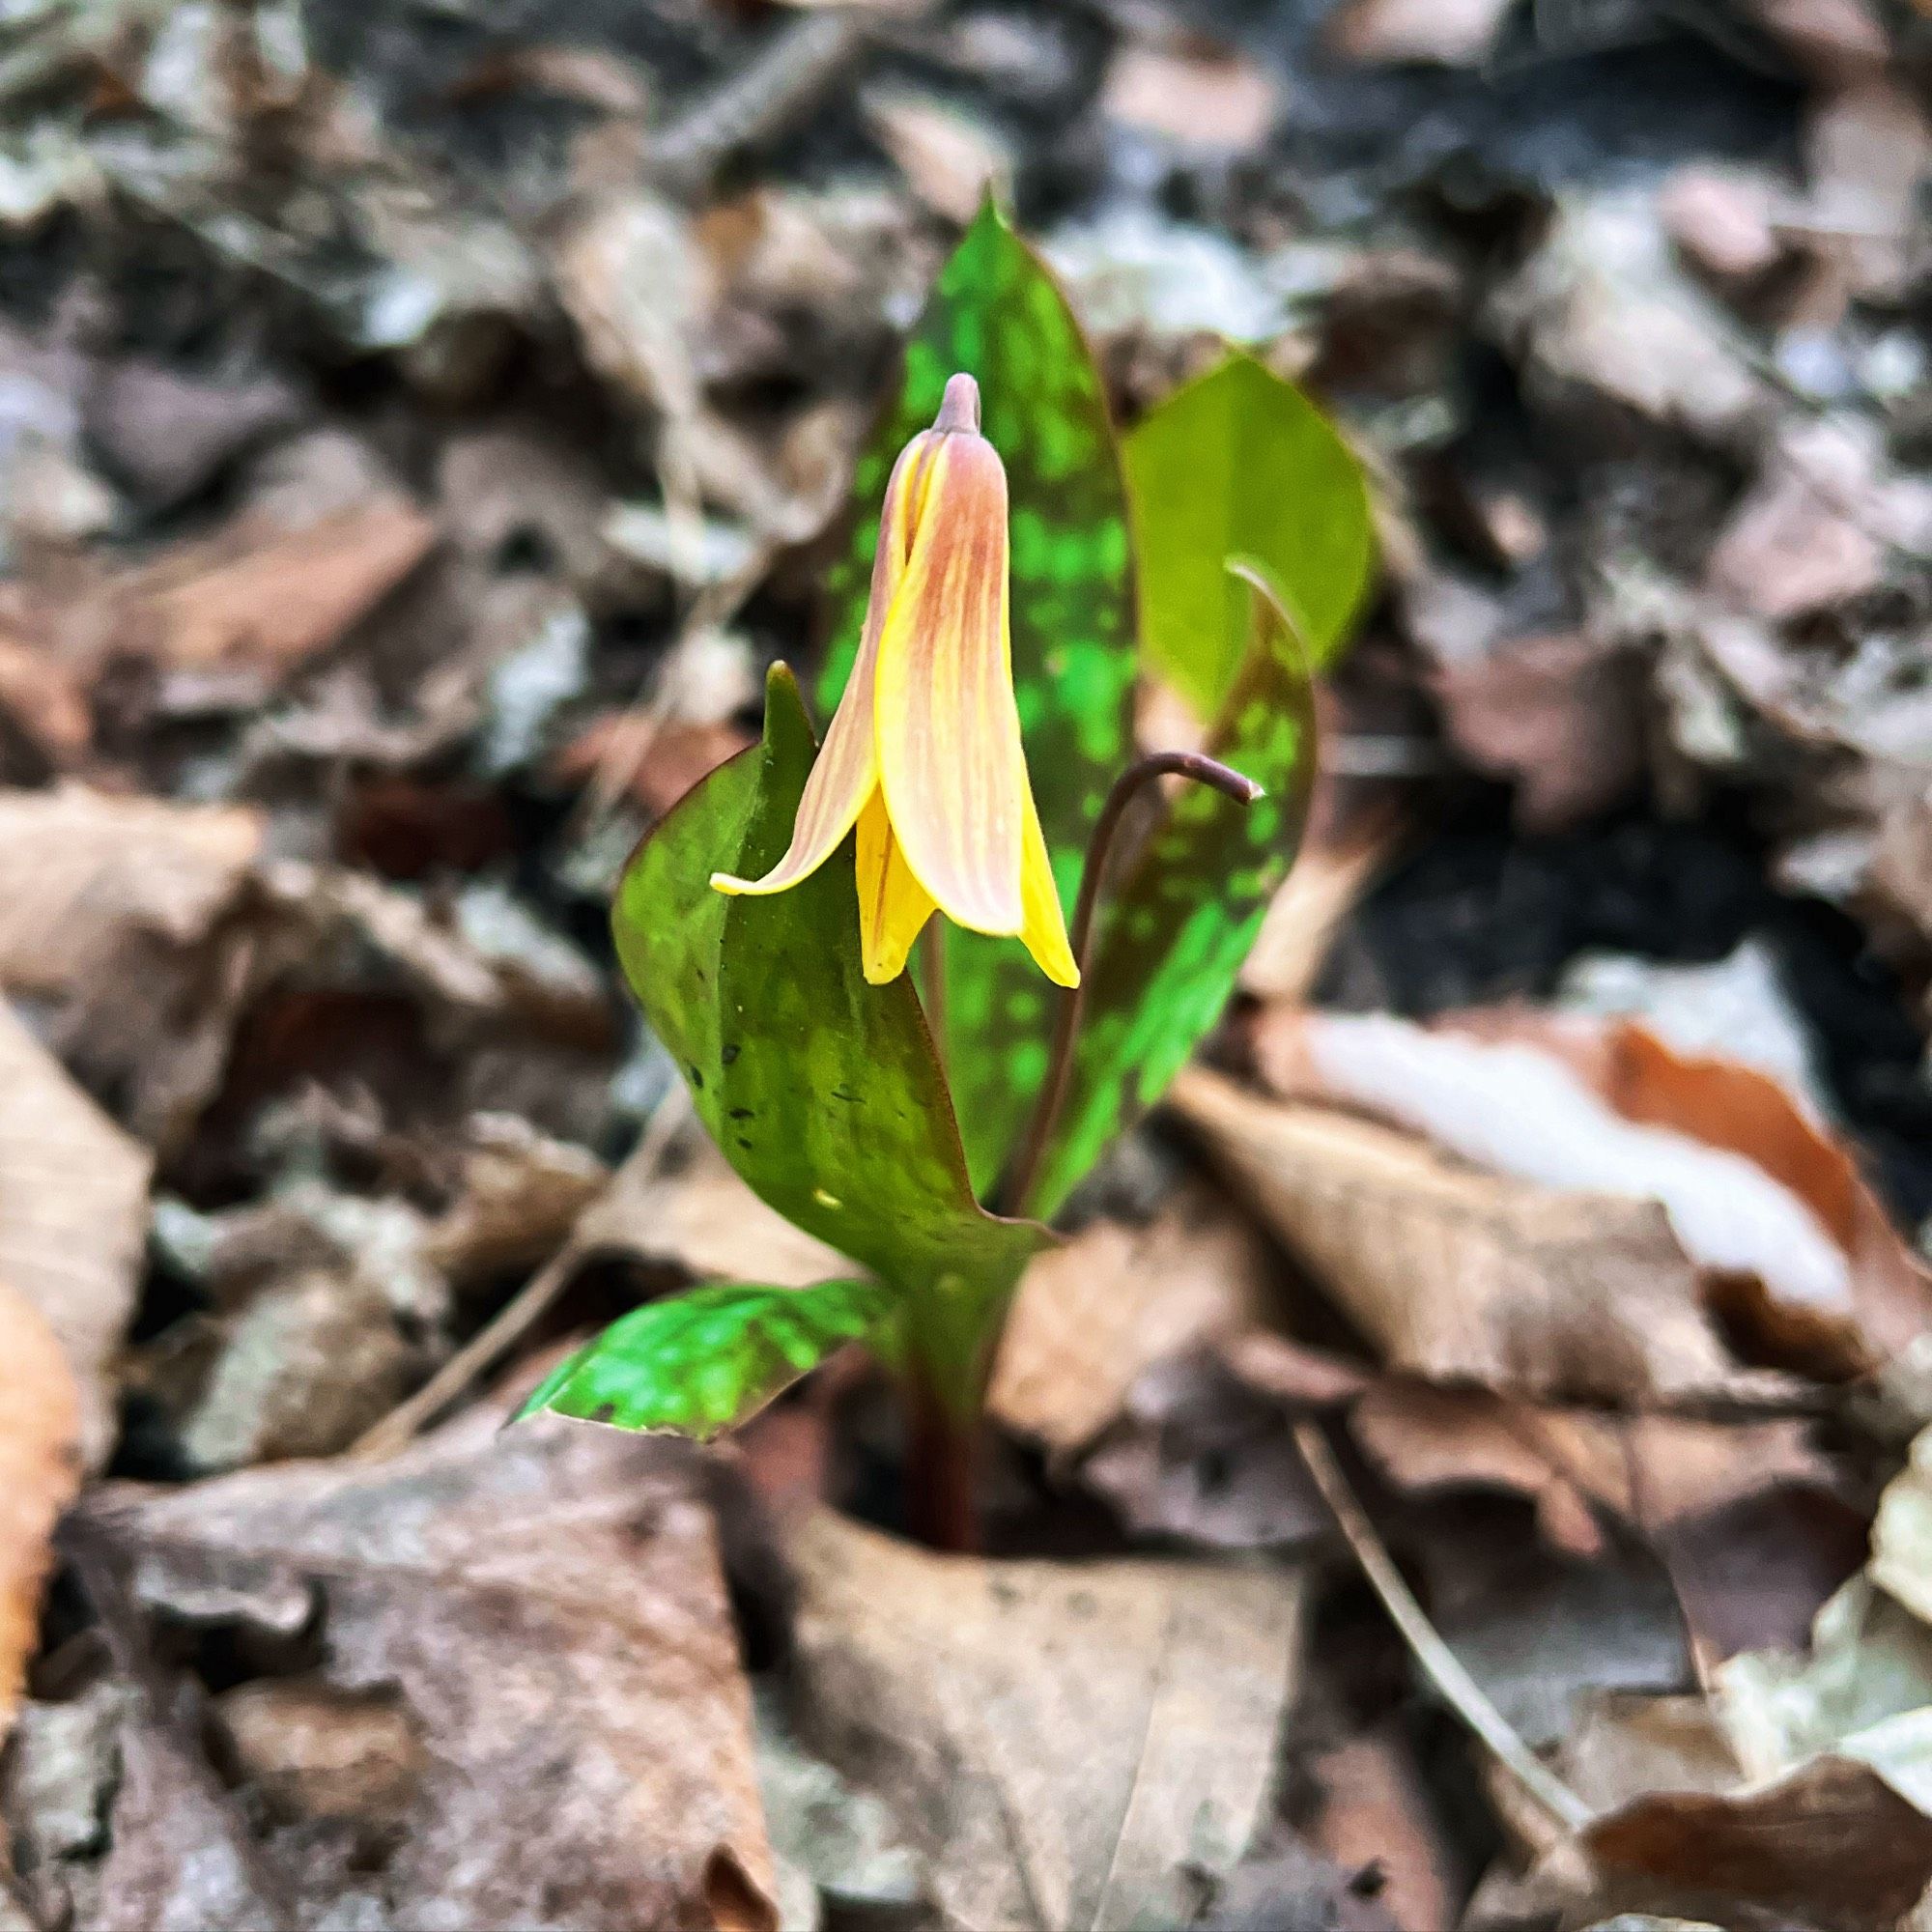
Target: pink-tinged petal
x,y
1045,932
947,727
845,773
894,907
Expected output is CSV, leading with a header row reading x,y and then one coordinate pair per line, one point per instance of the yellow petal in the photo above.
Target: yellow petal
x,y
894,907
1045,929
847,772
947,727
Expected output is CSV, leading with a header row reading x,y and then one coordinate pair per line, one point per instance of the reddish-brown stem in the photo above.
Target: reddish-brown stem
x,y
1015,1197
941,1473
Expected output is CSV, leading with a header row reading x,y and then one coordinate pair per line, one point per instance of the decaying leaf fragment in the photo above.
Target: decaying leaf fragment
x,y
540,1622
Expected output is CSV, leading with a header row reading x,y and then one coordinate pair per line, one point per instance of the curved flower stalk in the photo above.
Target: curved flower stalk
x,y
923,754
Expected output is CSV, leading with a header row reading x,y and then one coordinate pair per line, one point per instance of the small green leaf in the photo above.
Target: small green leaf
x,y
1239,463
1172,937
706,1360
823,1093
997,314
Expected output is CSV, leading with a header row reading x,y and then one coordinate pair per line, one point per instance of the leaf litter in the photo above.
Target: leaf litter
x,y
414,438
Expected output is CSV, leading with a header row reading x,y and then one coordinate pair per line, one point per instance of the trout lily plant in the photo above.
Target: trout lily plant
x,y
973,786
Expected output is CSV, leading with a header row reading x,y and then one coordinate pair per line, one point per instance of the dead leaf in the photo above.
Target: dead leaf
x,y
1096,1726
1723,222
1561,714
39,1470
265,599
1376,1817
1758,1196
951,159
703,1219
1391,31
73,1219
1092,1315
1600,314
1198,97
545,1612
1325,884
1901,1560
1293,1885
520,1195
1200,1455
81,871
1457,1275
1832,1840
1651,1471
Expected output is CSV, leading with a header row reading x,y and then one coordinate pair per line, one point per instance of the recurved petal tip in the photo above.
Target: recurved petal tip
x,y
959,407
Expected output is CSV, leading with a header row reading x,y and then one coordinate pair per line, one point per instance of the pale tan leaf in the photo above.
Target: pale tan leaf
x,y
267,599
1093,1727
704,1220
1093,1315
80,871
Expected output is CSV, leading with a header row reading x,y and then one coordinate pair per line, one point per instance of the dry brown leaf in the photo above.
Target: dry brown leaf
x,y
1375,1813
1091,1316
1901,1558
1458,34
949,160
1562,715
1652,1471
39,1470
1832,1840
1759,1196
1325,884
705,1221
1206,97
73,1217
81,870
1092,1729
265,599
1462,1276
519,1196
543,1611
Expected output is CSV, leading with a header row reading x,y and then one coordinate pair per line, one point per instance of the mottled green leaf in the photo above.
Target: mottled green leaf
x,y
706,1360
997,314
824,1092
1172,937
1239,463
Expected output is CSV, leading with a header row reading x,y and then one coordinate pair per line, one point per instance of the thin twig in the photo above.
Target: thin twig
x,y
1202,770
781,81
518,1315
1445,1670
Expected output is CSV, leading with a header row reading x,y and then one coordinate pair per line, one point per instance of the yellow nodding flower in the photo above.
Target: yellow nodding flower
x,y
924,754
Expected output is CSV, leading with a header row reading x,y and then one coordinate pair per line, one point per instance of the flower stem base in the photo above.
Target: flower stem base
x,y
942,1470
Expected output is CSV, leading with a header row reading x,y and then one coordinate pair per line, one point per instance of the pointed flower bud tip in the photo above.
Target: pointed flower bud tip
x,y
959,407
